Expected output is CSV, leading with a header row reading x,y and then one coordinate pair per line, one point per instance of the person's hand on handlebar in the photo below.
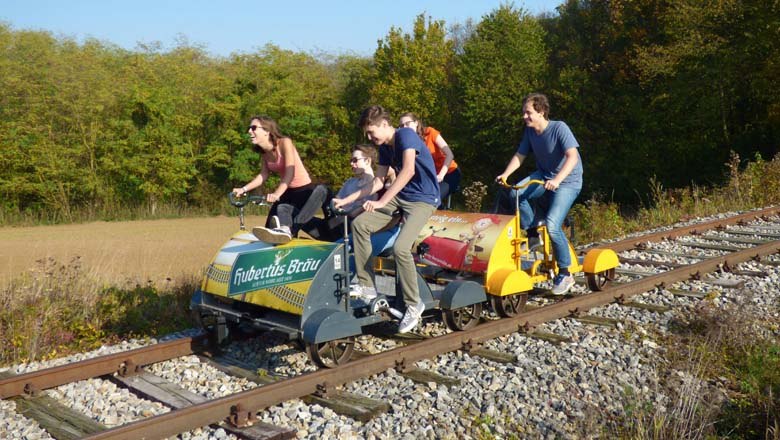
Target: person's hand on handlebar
x,y
240,191
337,203
373,205
551,185
501,178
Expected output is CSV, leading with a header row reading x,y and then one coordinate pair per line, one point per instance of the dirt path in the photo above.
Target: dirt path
x,y
120,251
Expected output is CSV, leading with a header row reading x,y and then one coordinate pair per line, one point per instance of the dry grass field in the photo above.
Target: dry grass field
x,y
159,251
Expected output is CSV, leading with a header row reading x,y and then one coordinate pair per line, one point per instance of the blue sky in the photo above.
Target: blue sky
x,y
225,27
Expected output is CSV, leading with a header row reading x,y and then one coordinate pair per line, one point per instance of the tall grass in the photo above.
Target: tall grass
x,y
713,349
723,379
59,308
756,184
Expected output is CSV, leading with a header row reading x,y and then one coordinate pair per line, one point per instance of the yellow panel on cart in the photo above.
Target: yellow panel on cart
x,y
507,281
600,260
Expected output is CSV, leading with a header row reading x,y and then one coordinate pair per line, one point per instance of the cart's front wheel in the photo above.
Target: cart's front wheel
x,y
332,353
600,280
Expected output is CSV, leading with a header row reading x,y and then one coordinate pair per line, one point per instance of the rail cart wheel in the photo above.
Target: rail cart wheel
x,y
210,324
462,318
509,305
332,353
599,281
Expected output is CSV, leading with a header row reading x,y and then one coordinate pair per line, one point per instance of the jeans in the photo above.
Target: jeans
x,y
554,207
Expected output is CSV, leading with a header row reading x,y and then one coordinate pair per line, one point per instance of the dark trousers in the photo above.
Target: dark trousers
x,y
297,206
449,185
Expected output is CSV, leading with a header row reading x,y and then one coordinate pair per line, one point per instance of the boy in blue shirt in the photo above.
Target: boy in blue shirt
x,y
559,165
415,191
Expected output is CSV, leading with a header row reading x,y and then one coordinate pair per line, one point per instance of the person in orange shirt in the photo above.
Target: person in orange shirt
x,y
447,171
279,155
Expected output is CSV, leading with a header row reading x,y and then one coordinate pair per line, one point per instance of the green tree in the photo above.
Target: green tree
x,y
301,93
355,77
595,89
502,60
55,103
413,72
714,74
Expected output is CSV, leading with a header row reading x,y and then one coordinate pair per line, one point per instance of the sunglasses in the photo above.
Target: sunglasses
x,y
252,128
355,159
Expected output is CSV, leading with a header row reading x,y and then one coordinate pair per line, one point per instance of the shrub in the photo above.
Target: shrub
x,y
57,308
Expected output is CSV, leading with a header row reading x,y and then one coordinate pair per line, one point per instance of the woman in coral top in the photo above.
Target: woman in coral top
x,y
288,199
447,172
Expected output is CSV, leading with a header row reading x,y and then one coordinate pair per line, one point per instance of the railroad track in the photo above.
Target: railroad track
x,y
717,246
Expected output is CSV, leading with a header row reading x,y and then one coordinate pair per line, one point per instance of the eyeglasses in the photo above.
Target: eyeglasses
x,y
355,159
407,123
252,128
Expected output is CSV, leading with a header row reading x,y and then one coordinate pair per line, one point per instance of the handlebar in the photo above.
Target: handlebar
x,y
337,211
503,183
241,201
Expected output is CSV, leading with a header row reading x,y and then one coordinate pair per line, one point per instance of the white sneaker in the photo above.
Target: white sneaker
x,y
280,235
562,284
411,317
364,292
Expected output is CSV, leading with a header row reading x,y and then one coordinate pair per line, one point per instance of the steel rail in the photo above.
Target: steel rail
x,y
630,243
244,405
126,361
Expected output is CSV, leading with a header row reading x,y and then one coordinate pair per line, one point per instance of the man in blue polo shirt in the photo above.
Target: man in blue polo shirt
x,y
415,192
559,165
